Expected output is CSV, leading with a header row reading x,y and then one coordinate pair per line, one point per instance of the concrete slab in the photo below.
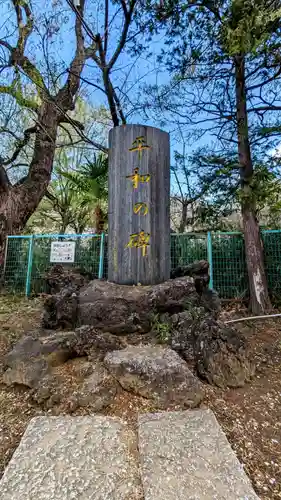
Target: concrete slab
x,y
73,458
186,456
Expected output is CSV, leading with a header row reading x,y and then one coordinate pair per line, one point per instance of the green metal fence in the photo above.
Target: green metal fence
x,y
28,259
272,256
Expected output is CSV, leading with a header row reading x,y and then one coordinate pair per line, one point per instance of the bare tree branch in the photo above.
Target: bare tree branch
x,y
65,96
21,144
128,13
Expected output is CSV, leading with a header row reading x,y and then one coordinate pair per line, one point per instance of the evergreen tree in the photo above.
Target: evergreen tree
x,y
225,61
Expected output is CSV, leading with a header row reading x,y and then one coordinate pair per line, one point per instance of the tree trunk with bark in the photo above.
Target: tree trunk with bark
x,y
259,298
18,202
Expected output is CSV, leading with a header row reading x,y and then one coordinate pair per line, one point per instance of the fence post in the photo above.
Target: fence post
x,y
210,258
29,267
101,256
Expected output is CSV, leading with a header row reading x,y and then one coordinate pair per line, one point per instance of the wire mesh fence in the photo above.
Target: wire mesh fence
x,y
186,248
28,259
229,265
16,264
272,256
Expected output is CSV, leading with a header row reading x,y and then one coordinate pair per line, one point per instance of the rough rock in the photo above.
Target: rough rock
x,y
121,309
185,455
26,373
221,354
199,270
60,310
31,357
59,277
218,352
98,390
55,349
210,301
94,343
81,458
182,333
196,268
76,384
156,373
60,383
48,392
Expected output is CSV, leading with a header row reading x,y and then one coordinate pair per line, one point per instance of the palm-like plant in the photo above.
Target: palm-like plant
x,y
89,182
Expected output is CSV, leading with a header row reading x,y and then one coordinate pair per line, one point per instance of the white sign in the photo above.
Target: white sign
x,y
62,251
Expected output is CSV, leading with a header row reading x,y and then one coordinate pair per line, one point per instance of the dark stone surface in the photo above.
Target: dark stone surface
x,y
94,343
185,455
26,373
198,270
60,310
221,354
218,352
79,384
59,277
55,349
182,335
121,309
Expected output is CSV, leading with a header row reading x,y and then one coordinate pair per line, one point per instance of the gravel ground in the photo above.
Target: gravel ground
x,y
250,416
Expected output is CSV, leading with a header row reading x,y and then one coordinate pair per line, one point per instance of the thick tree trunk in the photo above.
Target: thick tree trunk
x,y
259,298
18,202
99,220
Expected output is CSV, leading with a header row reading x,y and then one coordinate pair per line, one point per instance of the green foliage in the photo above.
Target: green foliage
x,y
89,180
60,211
161,329
218,207
205,44
79,180
248,25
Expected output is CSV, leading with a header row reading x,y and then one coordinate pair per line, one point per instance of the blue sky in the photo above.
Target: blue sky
x,y
128,75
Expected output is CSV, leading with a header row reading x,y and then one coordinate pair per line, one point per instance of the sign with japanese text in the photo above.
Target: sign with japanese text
x,y
62,252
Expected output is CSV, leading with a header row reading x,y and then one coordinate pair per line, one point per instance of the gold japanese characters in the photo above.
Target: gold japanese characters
x,y
141,239
139,145
137,178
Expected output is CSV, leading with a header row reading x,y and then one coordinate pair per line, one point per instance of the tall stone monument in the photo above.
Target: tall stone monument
x,y
139,205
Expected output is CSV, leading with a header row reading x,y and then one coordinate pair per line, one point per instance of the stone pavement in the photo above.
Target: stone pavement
x,y
185,455
80,458
182,455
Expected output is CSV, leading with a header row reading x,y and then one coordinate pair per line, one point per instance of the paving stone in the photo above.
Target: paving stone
x,y
79,458
186,456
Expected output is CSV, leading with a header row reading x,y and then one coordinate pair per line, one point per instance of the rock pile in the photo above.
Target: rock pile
x,y
86,329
